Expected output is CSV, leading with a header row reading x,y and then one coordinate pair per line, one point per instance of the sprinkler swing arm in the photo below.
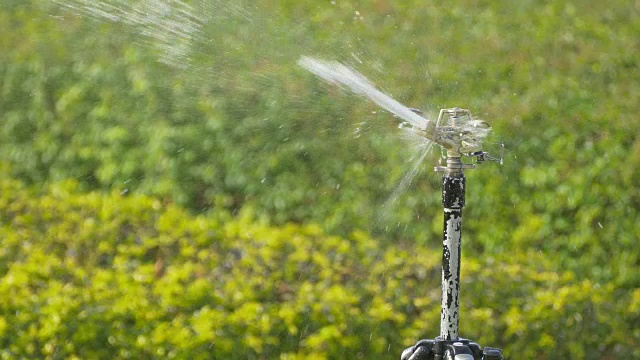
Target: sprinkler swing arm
x,y
460,135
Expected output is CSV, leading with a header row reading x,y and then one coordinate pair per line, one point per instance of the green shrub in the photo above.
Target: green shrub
x,y
104,276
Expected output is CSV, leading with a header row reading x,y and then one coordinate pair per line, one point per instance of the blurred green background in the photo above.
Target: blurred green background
x,y
173,185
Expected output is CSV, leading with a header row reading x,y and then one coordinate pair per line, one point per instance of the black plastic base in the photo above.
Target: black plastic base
x,y
461,349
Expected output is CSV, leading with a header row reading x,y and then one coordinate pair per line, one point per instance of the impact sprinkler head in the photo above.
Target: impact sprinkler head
x,y
460,134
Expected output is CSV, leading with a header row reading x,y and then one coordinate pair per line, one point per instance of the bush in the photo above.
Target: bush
x,y
104,276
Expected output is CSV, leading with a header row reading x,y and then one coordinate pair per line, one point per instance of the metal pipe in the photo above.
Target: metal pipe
x,y
453,183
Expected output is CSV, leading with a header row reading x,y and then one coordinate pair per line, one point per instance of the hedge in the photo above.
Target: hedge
x,y
117,276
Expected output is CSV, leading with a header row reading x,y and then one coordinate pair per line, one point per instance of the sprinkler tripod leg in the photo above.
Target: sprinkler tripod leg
x,y
439,349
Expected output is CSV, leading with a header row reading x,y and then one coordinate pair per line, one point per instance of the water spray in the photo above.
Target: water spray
x,y
460,135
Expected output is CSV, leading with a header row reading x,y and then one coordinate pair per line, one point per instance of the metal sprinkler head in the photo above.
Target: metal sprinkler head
x,y
460,134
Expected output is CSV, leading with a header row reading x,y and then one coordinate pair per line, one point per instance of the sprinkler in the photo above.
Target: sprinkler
x,y
460,135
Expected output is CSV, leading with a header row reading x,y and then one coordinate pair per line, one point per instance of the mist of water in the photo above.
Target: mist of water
x,y
421,147
175,28
172,27
347,77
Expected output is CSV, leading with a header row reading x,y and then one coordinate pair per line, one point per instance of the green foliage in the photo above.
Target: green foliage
x,y
138,182
106,276
243,127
